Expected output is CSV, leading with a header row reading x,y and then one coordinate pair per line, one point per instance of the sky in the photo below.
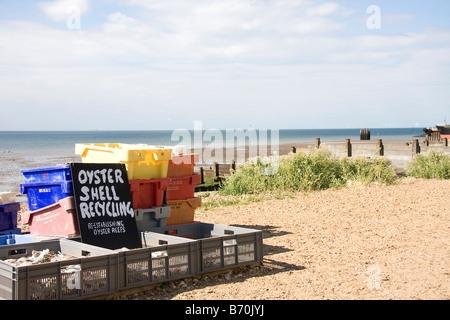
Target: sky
x,y
265,64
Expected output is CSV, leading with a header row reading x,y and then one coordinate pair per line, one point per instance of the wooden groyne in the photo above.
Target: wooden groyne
x,y
398,153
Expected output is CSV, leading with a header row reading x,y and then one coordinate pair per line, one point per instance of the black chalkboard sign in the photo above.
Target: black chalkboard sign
x,y
104,207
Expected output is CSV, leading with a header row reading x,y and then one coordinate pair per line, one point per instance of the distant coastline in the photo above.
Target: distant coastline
x,y
33,149
63,141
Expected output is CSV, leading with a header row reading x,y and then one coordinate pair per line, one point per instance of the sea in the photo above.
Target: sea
x,y
34,149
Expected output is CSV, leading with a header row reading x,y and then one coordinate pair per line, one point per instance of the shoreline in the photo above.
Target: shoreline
x,y
12,163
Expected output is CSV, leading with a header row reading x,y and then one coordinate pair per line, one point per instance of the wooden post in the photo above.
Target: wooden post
x,y
348,148
445,142
233,166
364,134
216,166
380,147
317,143
416,146
202,176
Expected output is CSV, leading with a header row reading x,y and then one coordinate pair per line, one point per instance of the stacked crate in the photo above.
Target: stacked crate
x,y
8,213
173,245
50,199
180,193
146,167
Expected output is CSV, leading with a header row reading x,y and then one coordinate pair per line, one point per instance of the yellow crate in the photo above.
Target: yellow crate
x,y
142,161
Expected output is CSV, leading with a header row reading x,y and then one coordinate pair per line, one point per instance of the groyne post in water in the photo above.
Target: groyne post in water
x,y
364,134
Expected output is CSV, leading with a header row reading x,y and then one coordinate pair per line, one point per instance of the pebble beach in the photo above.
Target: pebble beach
x,y
357,242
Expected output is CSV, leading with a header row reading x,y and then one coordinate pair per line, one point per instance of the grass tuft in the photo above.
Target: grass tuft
x,y
305,171
434,165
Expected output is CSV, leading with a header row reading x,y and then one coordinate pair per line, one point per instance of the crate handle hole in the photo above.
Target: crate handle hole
x,y
17,251
85,253
163,242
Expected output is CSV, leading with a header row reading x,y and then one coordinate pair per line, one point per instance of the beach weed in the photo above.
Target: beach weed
x,y
434,165
307,171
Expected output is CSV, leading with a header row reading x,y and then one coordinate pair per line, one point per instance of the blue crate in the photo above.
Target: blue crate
x,y
16,238
58,173
8,215
40,195
10,231
23,238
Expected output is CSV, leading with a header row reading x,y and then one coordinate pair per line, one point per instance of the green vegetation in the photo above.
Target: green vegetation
x,y
282,177
435,165
219,201
315,170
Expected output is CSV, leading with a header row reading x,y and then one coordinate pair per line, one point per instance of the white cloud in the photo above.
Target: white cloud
x,y
61,10
181,59
118,22
324,9
397,18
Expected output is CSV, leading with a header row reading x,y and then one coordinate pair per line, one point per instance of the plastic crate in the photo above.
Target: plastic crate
x,y
148,193
151,217
10,231
220,246
47,174
183,187
57,219
160,259
182,211
8,215
93,271
141,161
7,197
23,238
43,194
182,164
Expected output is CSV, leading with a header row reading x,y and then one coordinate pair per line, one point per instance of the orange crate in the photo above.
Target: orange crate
x,y
182,165
182,211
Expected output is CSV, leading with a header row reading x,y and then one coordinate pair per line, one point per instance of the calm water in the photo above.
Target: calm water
x,y
63,142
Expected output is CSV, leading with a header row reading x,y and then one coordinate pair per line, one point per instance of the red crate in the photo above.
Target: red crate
x,y
181,188
59,218
182,164
148,193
